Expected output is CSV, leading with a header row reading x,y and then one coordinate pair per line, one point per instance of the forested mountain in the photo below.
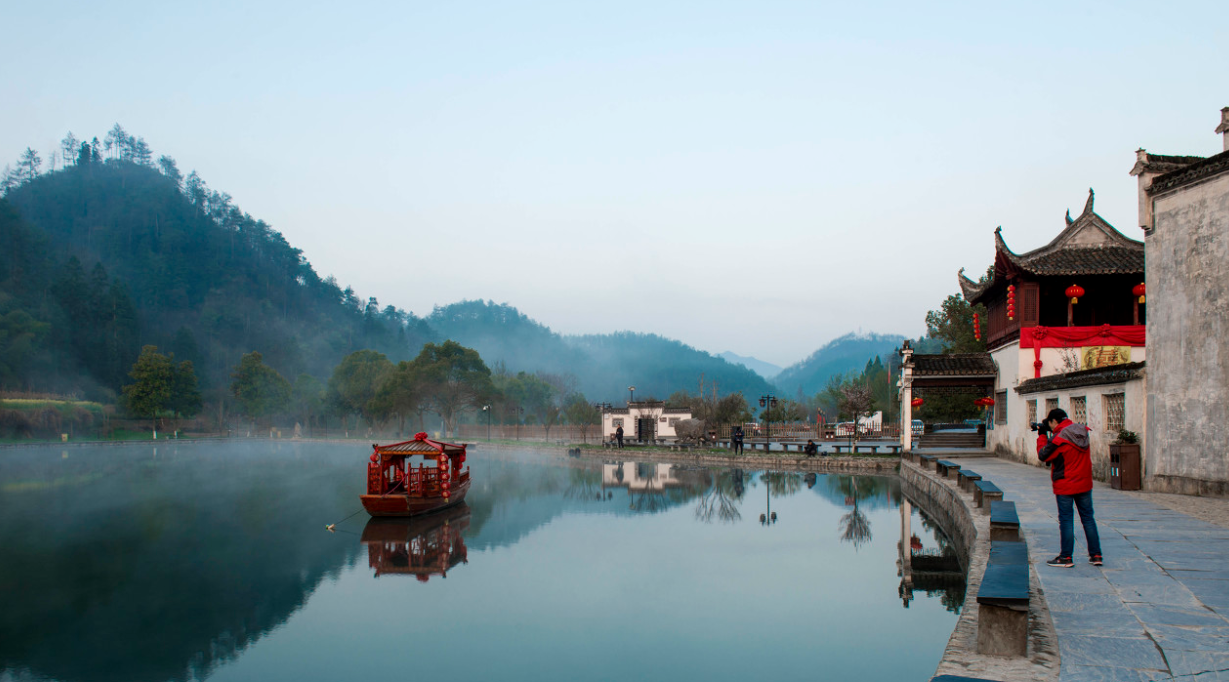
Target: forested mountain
x,y
602,365
115,251
173,264
838,357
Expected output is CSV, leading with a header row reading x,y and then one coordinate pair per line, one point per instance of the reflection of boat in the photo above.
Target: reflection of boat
x,y
422,546
396,487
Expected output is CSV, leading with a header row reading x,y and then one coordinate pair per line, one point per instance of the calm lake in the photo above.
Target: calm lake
x,y
211,561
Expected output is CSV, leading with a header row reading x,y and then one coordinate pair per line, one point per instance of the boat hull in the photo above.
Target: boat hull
x,y
400,504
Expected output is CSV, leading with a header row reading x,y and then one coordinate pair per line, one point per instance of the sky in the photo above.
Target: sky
x,y
752,177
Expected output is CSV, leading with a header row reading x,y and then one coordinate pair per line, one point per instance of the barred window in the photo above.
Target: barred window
x,y
1051,404
1032,411
1000,407
673,421
1079,410
1115,411
616,422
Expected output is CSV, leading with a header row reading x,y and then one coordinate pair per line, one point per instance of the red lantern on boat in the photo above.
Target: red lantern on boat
x,y
1138,290
1074,292
916,402
373,458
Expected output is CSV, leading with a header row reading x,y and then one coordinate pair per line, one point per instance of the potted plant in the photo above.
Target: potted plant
x,y
1124,461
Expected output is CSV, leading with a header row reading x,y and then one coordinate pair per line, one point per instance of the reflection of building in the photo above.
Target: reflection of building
x,y
646,420
1184,210
639,476
1086,356
920,569
421,546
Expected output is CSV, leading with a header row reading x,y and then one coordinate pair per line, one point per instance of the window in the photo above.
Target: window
x,y
673,421
1079,410
617,422
1032,411
1000,407
1115,411
1051,404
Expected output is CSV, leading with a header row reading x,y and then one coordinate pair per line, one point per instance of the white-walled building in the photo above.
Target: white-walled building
x,y
644,420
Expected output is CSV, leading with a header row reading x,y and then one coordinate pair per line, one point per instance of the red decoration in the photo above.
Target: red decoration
x,y
976,327
916,402
1011,301
1077,337
373,457
1074,292
1138,290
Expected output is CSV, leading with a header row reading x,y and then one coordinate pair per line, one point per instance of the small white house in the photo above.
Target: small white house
x,y
647,420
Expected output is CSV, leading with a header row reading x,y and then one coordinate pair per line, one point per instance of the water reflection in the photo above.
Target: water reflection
x,y
422,547
936,571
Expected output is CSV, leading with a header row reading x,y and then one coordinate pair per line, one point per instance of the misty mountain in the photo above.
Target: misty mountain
x,y
109,254
764,369
603,365
839,356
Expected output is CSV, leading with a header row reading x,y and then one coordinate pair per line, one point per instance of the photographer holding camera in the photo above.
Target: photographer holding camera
x,y
1063,446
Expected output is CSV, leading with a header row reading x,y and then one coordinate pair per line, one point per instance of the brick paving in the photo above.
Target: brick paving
x,y
1159,607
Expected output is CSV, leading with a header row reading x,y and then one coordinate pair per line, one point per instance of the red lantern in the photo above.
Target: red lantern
x,y
1074,292
976,327
916,402
373,458
1011,301
1138,290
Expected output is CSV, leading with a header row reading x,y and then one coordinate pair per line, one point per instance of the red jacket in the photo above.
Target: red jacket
x,y
1067,456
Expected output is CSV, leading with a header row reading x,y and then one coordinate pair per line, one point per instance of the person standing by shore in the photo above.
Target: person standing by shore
x,y
1066,453
736,440
619,436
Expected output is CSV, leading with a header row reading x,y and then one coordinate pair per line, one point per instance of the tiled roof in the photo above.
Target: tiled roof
x,y
1114,374
1159,163
954,364
1206,168
1088,246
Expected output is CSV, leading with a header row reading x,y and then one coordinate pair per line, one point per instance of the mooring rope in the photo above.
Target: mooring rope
x,y
333,526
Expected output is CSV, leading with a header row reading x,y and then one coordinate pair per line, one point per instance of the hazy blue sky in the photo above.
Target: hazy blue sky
x,y
756,177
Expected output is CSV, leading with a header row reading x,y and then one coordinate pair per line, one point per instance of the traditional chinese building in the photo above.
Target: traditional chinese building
x,y
1184,211
1065,328
646,420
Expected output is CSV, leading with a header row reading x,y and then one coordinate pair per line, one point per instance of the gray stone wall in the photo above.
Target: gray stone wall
x,y
1188,359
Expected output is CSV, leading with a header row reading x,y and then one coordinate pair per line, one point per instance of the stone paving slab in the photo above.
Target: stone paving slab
x,y
1159,607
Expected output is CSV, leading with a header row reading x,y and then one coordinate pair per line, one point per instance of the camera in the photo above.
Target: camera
x,y
1039,427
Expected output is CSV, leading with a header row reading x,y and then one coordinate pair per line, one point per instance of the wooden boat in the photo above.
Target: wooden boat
x,y
421,546
398,484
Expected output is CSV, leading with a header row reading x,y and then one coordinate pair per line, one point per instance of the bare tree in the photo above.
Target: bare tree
x,y
70,146
27,166
719,501
856,400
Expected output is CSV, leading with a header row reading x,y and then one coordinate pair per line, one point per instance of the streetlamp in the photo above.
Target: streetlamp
x,y
631,395
487,409
770,402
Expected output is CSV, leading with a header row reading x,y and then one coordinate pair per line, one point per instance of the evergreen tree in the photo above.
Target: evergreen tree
x,y
153,380
259,389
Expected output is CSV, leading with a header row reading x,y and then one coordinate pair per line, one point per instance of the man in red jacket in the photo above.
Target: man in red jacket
x,y
1066,453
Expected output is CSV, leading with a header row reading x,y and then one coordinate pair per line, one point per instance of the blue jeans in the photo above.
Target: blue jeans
x,y
1066,525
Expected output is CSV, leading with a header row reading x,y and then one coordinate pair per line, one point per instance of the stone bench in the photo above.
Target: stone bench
x,y
1002,601
966,478
873,449
928,461
838,449
959,678
894,449
1004,522
985,492
947,468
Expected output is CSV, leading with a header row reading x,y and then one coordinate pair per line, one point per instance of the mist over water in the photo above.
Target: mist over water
x,y
210,560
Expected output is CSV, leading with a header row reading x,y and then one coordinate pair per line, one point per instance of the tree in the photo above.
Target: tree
x,y
732,409
70,148
455,378
115,141
579,412
27,166
307,397
355,381
168,167
20,335
258,388
153,382
185,400
856,401
400,394
952,323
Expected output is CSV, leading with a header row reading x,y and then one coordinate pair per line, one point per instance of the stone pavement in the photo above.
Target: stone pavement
x,y
1159,607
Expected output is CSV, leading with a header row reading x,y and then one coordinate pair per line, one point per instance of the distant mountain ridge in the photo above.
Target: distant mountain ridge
x,y
760,367
837,357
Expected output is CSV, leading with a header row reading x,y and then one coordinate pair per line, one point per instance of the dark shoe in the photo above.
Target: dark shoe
x,y
1095,560
1061,562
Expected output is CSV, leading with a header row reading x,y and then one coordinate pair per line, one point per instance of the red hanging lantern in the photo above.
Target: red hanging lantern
x,y
916,402
1011,301
373,458
976,327
1138,290
1074,292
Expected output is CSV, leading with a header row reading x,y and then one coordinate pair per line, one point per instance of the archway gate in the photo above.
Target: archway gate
x,y
956,373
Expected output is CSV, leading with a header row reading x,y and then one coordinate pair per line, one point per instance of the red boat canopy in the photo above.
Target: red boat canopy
x,y
421,445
